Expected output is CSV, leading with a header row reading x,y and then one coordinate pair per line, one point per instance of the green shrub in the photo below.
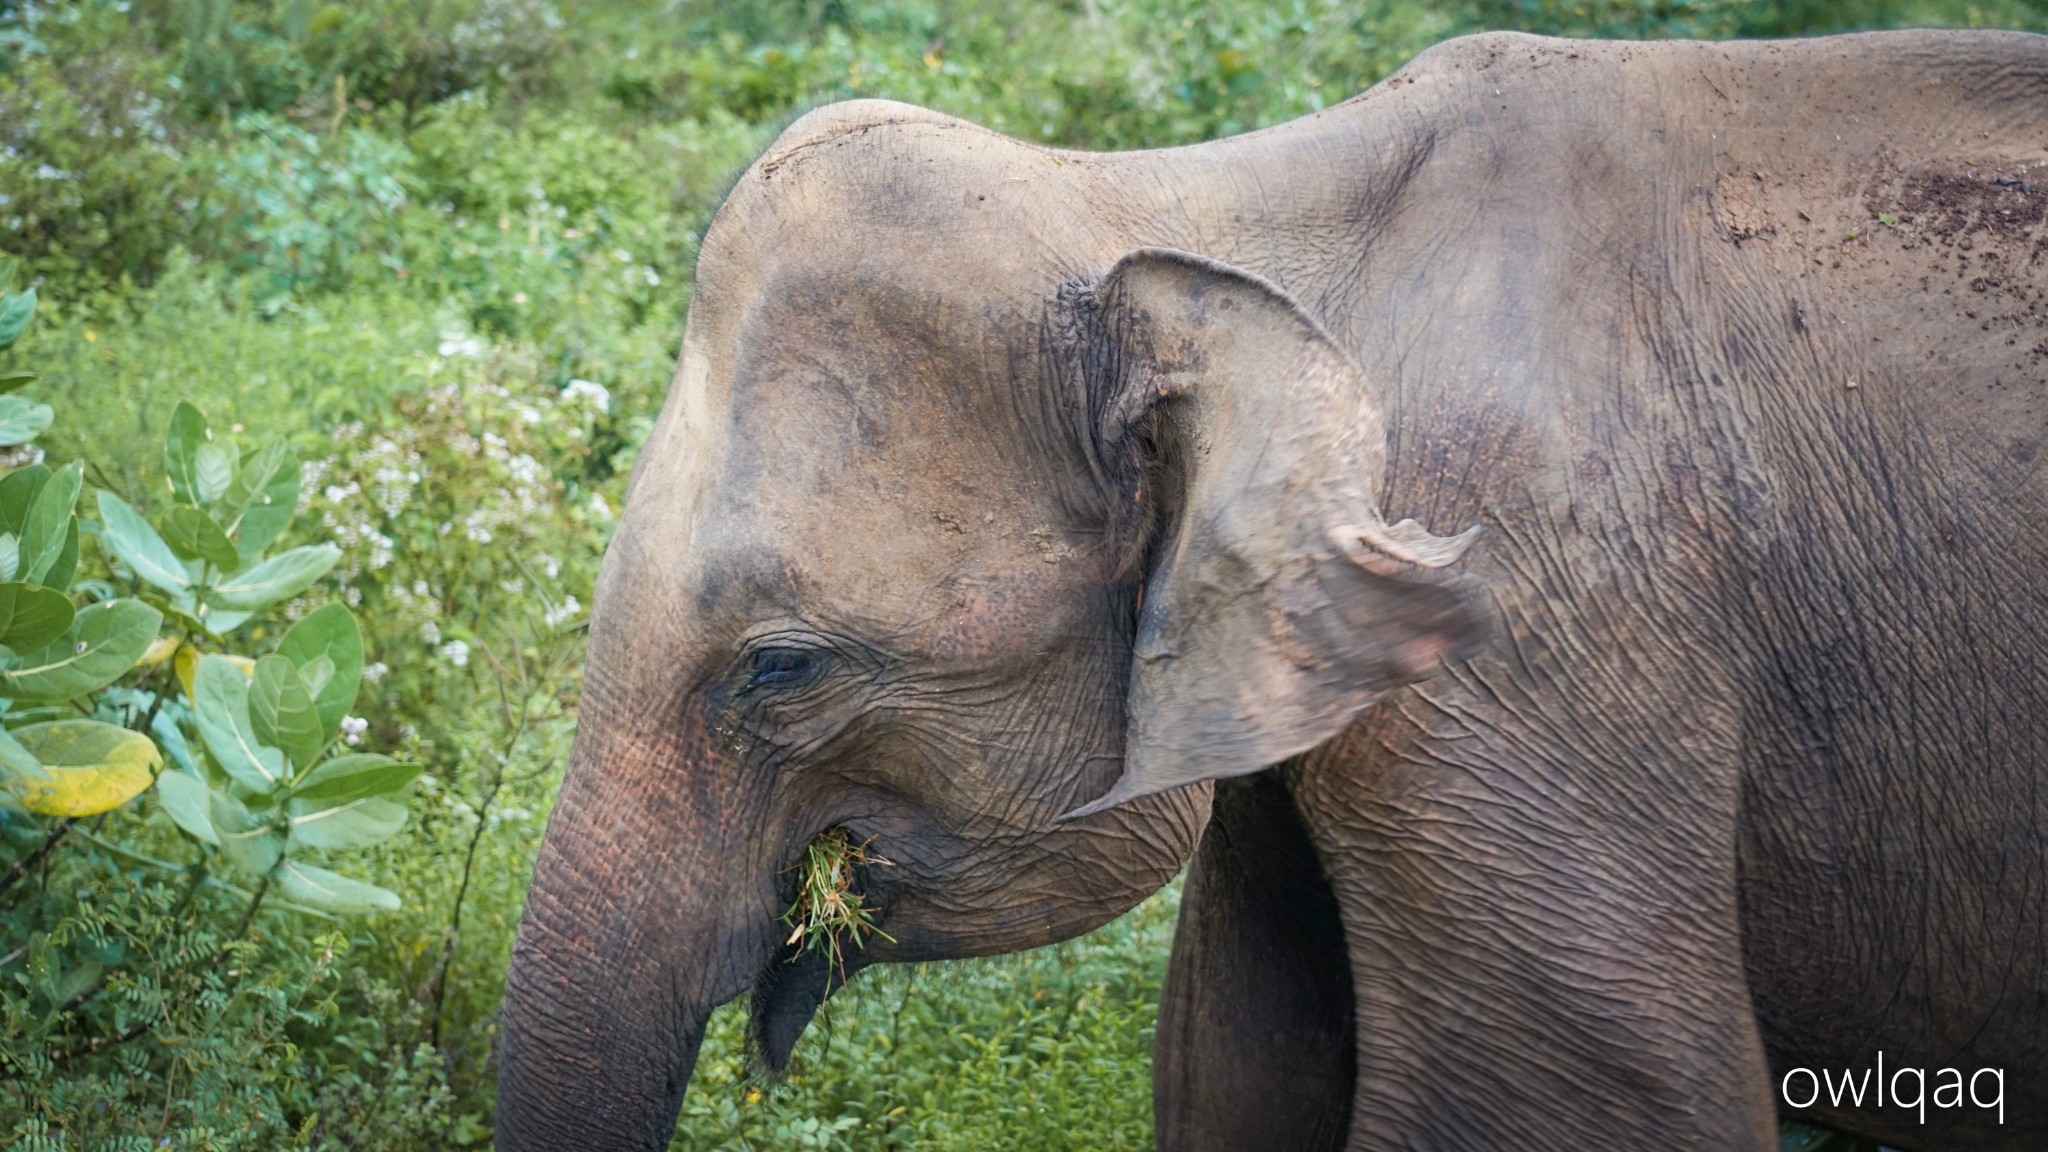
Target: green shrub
x,y
248,759
93,185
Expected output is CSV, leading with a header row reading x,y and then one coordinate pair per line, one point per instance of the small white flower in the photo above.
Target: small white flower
x,y
588,392
352,729
598,507
430,632
562,613
456,653
375,673
461,344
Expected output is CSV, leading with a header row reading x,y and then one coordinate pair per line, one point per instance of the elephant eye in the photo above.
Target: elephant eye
x,y
786,668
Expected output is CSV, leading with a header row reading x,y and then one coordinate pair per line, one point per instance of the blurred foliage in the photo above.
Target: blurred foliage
x,y
442,249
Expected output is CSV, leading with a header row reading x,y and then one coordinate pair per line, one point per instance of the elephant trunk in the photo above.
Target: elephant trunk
x,y
645,914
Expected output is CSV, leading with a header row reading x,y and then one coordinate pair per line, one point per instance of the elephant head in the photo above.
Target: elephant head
x,y
971,525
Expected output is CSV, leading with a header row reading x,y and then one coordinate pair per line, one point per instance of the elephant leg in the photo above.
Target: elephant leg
x,y
1547,952
1255,1047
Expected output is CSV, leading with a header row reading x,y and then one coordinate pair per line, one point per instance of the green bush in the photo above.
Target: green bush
x,y
93,185
249,760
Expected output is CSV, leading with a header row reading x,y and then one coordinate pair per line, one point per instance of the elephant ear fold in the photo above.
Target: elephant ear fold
x,y
1278,603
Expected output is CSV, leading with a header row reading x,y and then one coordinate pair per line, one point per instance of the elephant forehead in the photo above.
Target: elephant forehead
x,y
946,588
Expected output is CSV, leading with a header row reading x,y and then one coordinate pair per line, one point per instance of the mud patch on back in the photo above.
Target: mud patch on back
x,y
1739,206
1982,230
1967,206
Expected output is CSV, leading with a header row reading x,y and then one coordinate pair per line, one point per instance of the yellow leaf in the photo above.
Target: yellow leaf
x,y
160,651
91,766
188,667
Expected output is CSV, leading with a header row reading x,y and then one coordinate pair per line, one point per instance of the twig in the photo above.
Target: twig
x,y
94,1047
521,722
21,866
248,914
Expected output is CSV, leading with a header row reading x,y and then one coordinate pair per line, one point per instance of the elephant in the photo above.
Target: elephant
x,y
1554,545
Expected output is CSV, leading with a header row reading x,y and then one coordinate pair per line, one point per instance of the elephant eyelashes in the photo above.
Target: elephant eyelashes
x,y
786,668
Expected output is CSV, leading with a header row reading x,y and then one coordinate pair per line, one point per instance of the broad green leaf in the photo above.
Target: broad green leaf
x,y
191,534
220,699
104,641
17,491
212,620
353,777
329,633
48,522
277,579
181,451
16,309
60,574
331,891
282,713
17,760
22,419
260,503
220,623
9,381
357,823
185,801
248,840
32,617
213,469
317,673
165,729
128,536
92,767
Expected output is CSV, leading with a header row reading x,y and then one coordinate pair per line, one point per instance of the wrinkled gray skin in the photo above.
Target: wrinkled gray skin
x,y
994,476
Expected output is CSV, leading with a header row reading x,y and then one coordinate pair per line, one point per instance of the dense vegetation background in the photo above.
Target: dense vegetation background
x,y
444,247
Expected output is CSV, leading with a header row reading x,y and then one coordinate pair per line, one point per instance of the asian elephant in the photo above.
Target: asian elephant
x,y
1576,512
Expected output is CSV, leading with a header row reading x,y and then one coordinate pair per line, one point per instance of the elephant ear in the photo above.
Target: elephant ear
x,y
1278,602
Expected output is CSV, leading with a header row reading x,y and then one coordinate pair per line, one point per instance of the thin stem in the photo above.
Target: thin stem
x,y
249,914
206,879
113,849
50,842
521,723
157,700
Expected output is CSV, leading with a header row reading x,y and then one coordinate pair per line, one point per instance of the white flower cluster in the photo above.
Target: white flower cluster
x,y
460,487
562,613
588,392
462,344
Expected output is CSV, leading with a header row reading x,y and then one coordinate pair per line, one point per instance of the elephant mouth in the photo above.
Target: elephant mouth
x,y
832,907
786,995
